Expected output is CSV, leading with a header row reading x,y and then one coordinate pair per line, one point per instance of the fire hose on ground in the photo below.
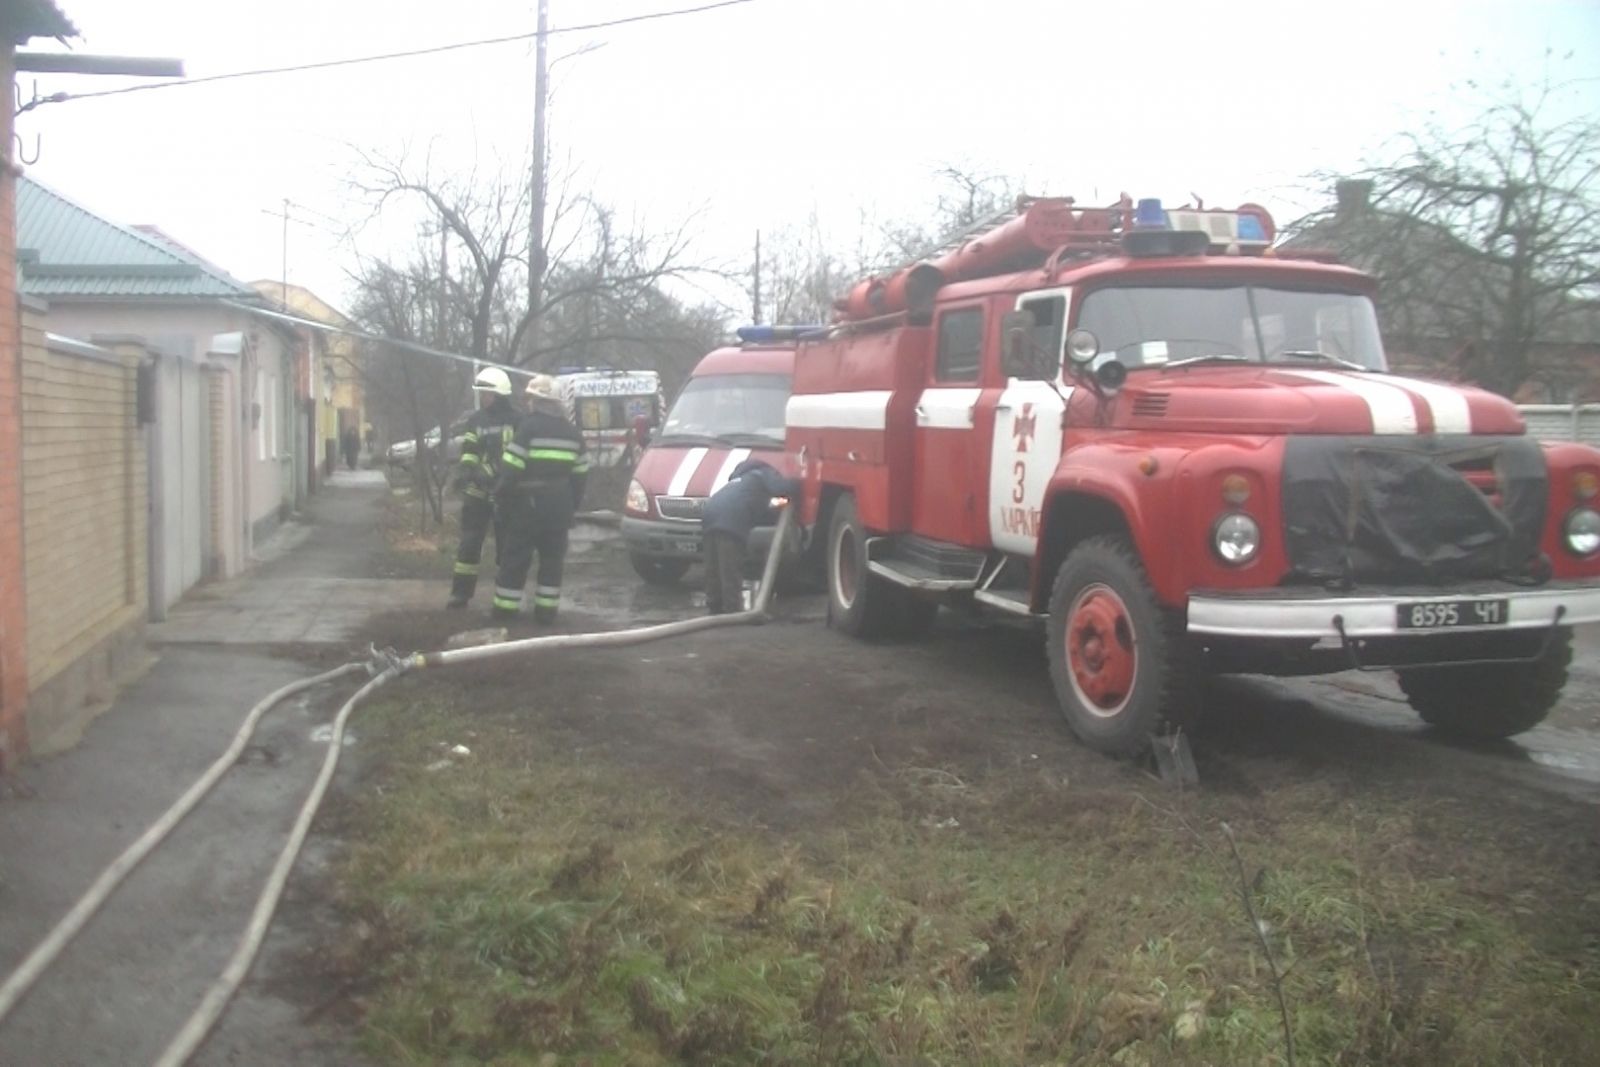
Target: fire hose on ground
x,y
382,668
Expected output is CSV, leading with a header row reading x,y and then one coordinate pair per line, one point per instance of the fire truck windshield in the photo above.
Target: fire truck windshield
x,y
1148,326
734,409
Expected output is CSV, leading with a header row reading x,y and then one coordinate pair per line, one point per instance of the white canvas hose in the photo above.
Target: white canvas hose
x,y
46,952
385,668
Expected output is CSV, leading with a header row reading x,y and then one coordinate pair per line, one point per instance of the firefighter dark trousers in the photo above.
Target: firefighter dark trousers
x,y
477,516
724,572
533,526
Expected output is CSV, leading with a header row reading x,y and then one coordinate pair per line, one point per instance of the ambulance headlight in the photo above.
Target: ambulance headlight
x,y
1236,538
1583,531
638,500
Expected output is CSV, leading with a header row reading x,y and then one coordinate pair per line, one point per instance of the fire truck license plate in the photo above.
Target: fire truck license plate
x,y
1446,614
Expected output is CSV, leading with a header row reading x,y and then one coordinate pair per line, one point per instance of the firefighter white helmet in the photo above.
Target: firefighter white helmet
x,y
492,380
543,387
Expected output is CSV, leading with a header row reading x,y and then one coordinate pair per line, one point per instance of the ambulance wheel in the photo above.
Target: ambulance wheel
x,y
1120,665
1490,701
858,603
658,571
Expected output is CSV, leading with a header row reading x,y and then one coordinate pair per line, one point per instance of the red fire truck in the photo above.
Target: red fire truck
x,y
1181,451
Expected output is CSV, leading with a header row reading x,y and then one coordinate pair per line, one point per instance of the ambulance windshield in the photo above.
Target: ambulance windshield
x,y
730,409
1147,326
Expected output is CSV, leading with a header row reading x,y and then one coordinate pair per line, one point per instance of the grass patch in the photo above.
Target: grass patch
x,y
532,906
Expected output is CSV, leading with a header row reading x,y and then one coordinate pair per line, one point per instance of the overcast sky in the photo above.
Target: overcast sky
x,y
760,115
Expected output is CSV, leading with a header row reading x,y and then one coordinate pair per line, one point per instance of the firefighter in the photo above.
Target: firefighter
x,y
488,429
729,516
542,476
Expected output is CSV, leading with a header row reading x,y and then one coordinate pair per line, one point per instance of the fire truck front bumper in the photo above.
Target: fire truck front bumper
x,y
682,540
1479,607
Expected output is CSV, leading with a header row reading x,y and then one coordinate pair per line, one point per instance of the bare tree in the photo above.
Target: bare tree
x,y
586,256
1486,241
408,392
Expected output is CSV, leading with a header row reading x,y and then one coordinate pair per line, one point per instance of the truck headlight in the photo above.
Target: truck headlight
x,y
1583,531
637,500
1236,538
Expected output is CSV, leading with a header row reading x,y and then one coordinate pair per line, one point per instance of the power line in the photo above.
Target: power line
x,y
58,98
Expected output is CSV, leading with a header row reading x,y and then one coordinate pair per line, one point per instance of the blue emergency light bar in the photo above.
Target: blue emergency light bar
x,y
1148,215
765,335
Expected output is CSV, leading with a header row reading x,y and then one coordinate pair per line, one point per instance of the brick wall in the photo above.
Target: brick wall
x,y
84,494
13,620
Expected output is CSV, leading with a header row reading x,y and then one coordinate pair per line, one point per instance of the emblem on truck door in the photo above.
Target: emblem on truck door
x,y
1022,426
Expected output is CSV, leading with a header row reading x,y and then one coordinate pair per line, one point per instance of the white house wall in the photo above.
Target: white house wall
x,y
258,462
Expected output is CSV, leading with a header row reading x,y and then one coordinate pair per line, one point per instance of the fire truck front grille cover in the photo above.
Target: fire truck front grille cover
x,y
1424,510
682,508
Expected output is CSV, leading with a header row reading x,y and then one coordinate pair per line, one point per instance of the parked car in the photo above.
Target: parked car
x,y
404,453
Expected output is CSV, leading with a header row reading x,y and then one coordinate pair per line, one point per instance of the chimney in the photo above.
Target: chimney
x,y
1352,196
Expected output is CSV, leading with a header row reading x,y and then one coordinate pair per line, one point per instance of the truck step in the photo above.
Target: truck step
x,y
938,558
914,575
1012,601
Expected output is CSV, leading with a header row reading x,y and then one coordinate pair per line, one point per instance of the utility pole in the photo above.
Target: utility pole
x,y
756,289
536,253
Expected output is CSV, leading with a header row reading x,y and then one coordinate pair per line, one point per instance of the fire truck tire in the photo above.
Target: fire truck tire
x,y
658,571
859,603
1122,670
1490,701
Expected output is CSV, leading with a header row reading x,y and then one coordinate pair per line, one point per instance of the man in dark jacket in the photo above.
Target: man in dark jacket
x,y
731,513
542,476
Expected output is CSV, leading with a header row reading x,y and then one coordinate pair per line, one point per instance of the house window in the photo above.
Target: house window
x,y
960,345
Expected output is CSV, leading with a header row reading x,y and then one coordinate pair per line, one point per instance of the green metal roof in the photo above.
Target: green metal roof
x,y
64,250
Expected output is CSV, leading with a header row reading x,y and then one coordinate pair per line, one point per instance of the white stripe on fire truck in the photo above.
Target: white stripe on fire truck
x,y
864,410
736,457
686,469
947,409
1451,413
1391,408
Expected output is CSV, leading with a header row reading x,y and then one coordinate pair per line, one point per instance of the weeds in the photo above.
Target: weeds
x,y
540,903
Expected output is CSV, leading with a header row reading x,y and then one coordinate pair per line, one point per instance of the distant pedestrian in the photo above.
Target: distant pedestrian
x,y
542,476
731,513
352,447
488,429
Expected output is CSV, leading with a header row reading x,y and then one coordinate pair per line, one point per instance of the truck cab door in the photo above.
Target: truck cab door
x,y
1026,445
948,491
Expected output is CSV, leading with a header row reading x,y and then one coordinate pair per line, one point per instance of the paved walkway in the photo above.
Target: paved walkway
x,y
122,989
317,592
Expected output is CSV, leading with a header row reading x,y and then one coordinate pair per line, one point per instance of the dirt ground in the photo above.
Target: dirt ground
x,y
775,717
788,731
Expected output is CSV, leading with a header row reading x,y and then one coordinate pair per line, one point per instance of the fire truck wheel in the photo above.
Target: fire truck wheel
x,y
1490,701
658,571
858,603
1121,671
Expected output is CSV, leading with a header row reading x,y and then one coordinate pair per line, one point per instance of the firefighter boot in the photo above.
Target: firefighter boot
x,y
546,601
